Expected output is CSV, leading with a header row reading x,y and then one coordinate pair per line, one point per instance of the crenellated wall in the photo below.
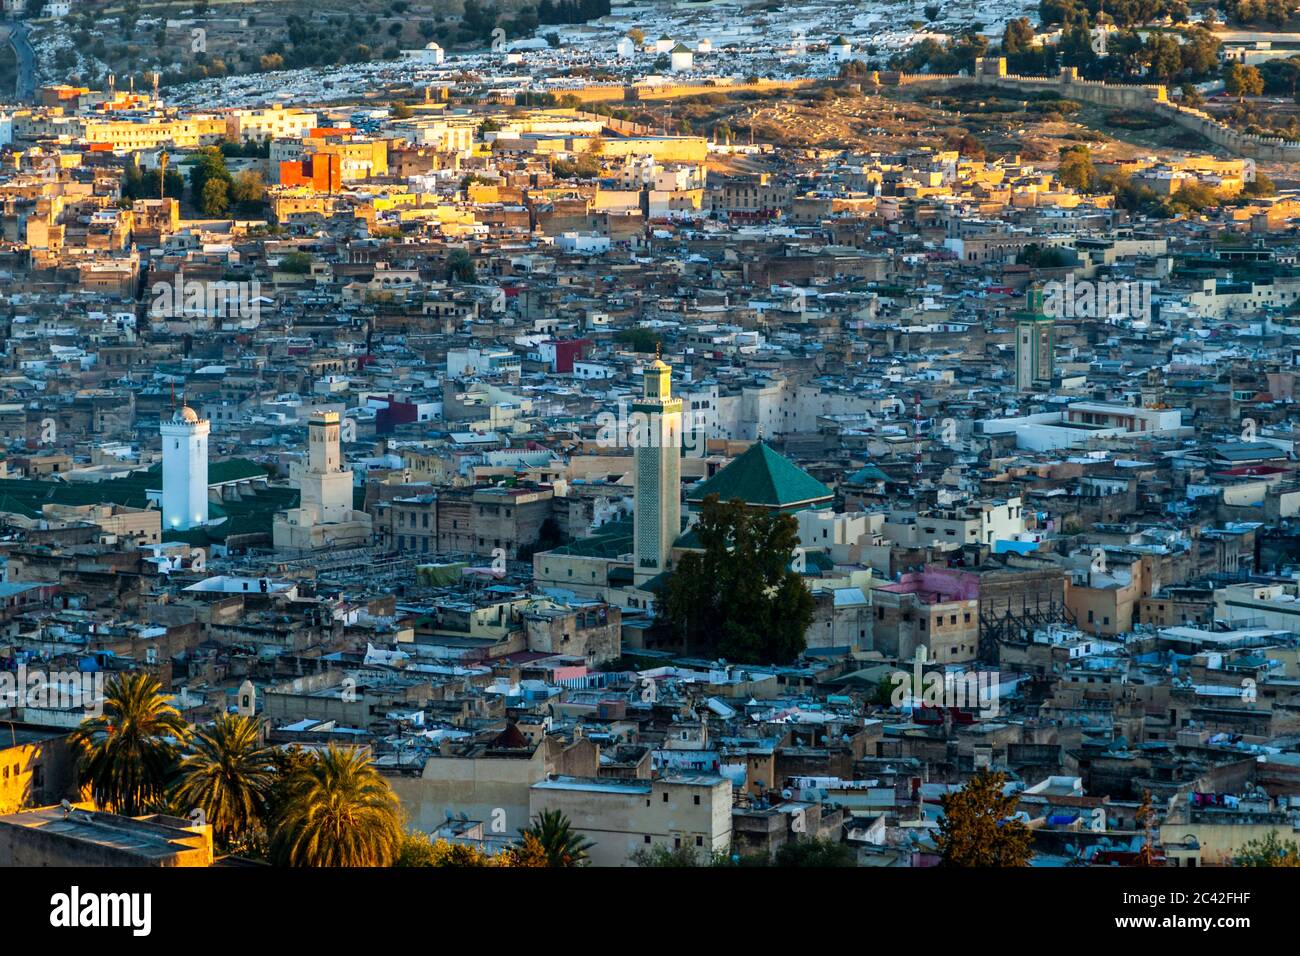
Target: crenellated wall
x,y
992,71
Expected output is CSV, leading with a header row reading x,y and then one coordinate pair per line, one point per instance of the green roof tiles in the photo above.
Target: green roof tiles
x,y
763,478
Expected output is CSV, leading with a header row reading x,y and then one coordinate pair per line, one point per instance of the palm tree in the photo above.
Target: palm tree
x,y
562,844
127,753
227,775
339,812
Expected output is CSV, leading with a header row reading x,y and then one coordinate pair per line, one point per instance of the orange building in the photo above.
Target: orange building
x,y
322,172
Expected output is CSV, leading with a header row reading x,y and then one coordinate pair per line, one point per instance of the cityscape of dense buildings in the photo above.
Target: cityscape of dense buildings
x,y
585,487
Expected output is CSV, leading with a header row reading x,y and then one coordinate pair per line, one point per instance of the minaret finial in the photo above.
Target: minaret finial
x,y
659,346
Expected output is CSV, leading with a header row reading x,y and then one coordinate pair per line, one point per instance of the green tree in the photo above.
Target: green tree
x,y
661,856
248,191
638,338
418,850
127,754
978,829
1164,56
215,200
1242,81
1261,185
1268,851
1076,169
562,844
227,774
739,592
338,812
210,166
460,266
815,851
297,263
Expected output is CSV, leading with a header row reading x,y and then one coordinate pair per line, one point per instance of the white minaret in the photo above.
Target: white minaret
x,y
185,469
657,520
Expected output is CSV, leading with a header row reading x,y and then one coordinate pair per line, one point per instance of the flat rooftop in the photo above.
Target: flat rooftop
x,y
148,839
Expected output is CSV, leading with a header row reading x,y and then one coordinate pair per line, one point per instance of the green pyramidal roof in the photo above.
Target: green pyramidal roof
x,y
763,478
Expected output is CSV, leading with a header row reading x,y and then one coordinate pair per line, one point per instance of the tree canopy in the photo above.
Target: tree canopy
x,y
978,828
739,594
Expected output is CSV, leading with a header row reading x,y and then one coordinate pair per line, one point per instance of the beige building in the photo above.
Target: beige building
x,y
621,815
275,122
489,781
324,517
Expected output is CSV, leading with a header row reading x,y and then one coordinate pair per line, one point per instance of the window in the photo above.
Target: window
x,y
697,799
647,838
665,796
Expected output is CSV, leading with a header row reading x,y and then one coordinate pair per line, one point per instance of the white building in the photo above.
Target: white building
x,y
839,50
582,243
431,55
626,48
185,469
682,58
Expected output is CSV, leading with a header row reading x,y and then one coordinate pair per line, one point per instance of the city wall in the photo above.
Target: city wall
x,y
991,72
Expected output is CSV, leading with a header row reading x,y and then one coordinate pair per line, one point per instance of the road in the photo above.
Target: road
x,y
17,35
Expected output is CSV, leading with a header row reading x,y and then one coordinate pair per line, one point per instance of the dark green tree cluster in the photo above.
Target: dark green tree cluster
x,y
738,595
253,149
1160,57
638,339
478,21
1281,76
138,184
1043,257
930,56
571,11
211,183
1272,12
327,43
460,266
1023,56
1120,12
